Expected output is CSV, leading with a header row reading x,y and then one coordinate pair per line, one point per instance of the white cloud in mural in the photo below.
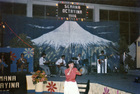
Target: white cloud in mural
x,y
70,33
95,27
41,27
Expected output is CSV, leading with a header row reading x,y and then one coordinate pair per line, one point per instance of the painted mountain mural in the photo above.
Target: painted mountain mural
x,y
70,33
69,38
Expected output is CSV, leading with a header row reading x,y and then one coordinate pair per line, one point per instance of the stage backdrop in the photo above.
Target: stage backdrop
x,y
15,55
57,37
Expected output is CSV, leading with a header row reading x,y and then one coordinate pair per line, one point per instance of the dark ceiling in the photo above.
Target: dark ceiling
x,y
129,3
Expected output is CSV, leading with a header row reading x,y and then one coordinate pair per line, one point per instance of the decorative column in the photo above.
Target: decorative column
x,y
29,8
96,13
138,53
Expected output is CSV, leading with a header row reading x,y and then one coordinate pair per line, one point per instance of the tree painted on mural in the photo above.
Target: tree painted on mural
x,y
17,41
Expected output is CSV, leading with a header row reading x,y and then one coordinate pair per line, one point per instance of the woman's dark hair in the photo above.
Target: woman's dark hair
x,y
69,63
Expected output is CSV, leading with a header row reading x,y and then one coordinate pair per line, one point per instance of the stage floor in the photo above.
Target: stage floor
x,y
119,81
124,82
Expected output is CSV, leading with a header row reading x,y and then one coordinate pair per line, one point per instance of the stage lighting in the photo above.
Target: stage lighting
x,y
3,26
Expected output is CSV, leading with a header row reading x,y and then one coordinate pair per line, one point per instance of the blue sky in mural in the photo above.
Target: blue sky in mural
x,y
103,29
57,37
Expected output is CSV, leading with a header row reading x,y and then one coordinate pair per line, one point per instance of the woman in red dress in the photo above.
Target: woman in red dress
x,y
70,85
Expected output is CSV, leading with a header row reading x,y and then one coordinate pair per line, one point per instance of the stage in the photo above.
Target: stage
x,y
115,82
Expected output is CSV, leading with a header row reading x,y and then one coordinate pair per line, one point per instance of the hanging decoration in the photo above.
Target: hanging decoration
x,y
29,52
12,56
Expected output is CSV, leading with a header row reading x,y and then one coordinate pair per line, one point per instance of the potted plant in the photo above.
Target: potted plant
x,y
39,78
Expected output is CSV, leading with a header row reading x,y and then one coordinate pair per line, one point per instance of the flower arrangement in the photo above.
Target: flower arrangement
x,y
39,76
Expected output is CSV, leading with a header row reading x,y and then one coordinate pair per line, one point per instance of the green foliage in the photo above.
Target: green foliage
x,y
16,42
123,45
130,62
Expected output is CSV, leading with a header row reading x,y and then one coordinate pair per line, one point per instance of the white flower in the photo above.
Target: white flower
x,y
29,52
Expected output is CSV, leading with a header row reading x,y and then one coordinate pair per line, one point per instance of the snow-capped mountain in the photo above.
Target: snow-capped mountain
x,y
70,32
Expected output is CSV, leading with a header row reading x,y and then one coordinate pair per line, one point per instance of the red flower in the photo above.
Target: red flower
x,y
51,87
12,56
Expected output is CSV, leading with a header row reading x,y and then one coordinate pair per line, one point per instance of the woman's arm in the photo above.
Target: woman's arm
x,y
69,71
77,72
